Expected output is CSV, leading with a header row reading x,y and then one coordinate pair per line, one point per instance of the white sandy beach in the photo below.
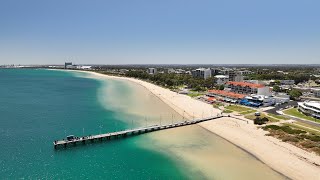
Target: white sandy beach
x,y
285,158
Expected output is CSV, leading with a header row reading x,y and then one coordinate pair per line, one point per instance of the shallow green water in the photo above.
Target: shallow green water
x,y
39,106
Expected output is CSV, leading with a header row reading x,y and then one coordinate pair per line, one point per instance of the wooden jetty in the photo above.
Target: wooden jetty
x,y
118,134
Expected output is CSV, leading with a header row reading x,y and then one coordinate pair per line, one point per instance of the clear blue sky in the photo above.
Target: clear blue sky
x,y
162,31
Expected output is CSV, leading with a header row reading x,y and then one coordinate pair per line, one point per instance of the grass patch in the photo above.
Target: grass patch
x,y
195,94
278,116
217,105
296,113
262,115
303,128
227,111
237,108
307,125
247,112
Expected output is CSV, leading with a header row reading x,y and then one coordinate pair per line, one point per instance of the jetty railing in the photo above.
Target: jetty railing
x,y
125,133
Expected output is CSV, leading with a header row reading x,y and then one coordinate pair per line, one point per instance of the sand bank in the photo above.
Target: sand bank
x,y
285,158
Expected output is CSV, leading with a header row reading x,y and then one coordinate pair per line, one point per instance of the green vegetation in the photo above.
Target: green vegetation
x,y
296,113
286,129
262,115
217,105
195,94
247,112
220,87
298,75
278,116
237,108
294,94
227,111
307,125
294,125
295,135
276,88
173,80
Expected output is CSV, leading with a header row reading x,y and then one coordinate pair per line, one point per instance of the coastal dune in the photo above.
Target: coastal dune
x,y
284,158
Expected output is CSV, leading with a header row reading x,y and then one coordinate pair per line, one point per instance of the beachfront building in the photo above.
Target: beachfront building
x,y
201,73
248,88
225,95
311,108
261,100
84,67
152,71
221,79
67,65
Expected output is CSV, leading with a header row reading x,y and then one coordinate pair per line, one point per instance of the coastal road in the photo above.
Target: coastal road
x,y
291,103
312,123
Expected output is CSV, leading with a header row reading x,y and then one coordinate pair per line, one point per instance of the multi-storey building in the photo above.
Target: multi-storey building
x,y
311,108
215,72
248,88
238,78
201,73
152,71
234,75
221,79
67,64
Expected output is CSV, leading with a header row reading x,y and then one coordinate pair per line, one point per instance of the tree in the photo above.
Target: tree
x,y
169,82
294,94
197,88
220,87
209,82
276,88
277,82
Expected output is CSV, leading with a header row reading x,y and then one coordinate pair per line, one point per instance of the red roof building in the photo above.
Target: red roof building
x,y
248,88
225,94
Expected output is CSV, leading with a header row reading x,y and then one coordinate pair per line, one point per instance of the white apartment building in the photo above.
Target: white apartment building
x,y
152,71
311,108
201,73
221,79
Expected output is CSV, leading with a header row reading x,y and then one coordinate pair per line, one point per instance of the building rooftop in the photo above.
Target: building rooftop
x,y
221,76
244,84
202,69
315,104
227,94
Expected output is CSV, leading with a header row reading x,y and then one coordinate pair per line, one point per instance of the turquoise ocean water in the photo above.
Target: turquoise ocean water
x,y
40,106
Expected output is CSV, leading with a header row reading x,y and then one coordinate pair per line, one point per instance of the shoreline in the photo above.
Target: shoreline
x,y
284,158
